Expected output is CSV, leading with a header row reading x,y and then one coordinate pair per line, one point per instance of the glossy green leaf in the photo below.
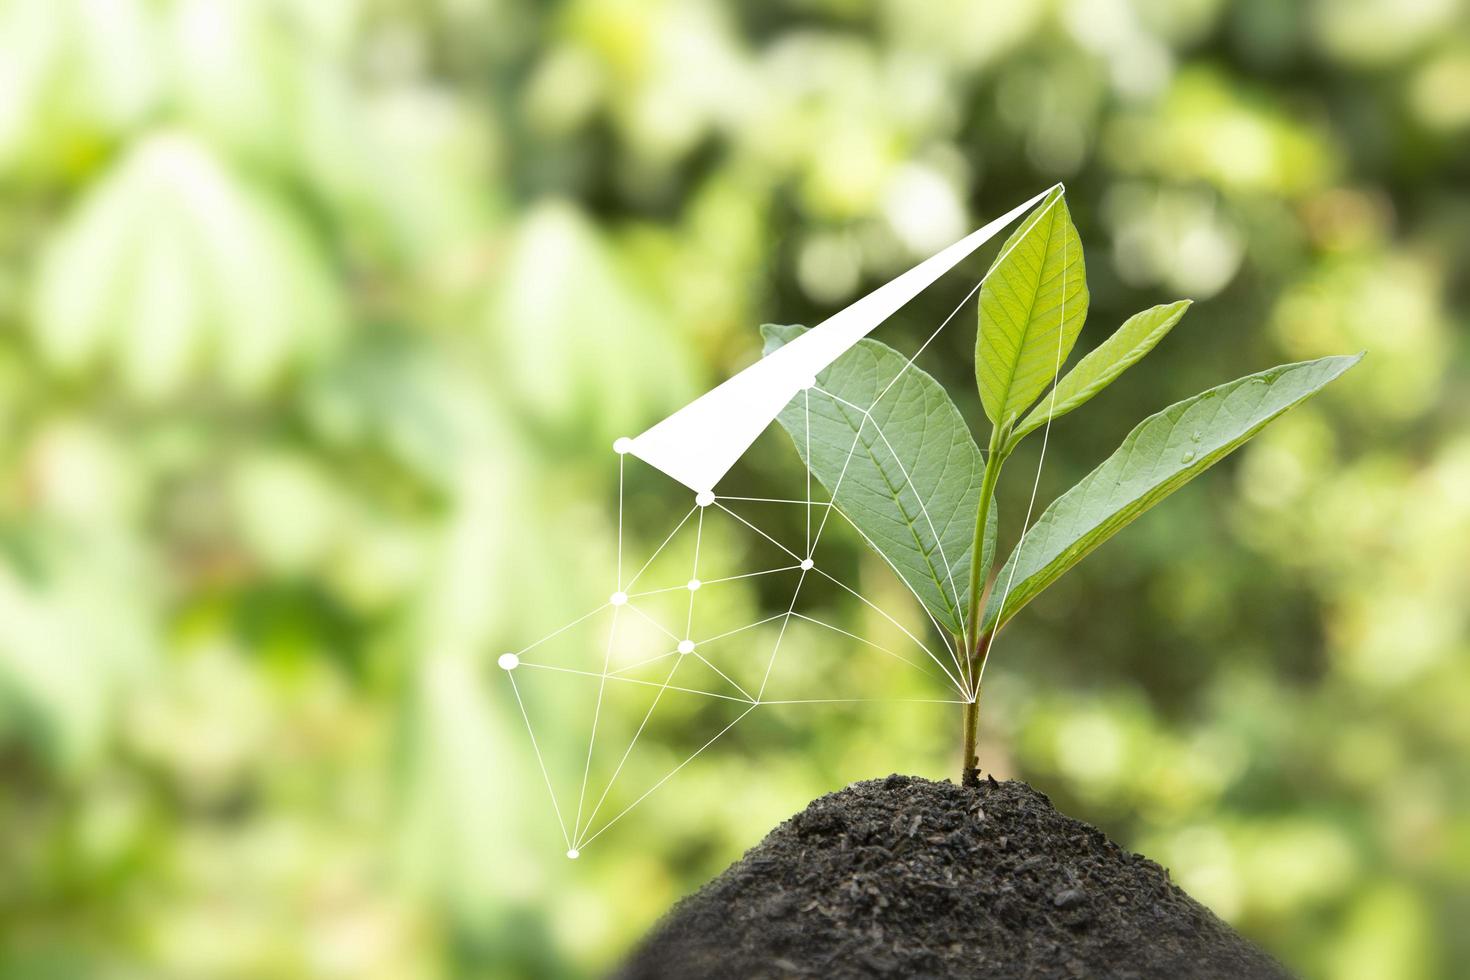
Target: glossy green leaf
x,y
1024,336
1135,338
903,467
1162,454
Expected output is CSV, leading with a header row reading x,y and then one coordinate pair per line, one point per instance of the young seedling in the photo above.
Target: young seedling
x,y
900,462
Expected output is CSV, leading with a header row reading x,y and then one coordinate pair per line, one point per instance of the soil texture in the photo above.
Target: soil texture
x,y
905,877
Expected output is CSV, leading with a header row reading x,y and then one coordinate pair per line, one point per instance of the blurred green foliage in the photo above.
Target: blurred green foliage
x,y
317,318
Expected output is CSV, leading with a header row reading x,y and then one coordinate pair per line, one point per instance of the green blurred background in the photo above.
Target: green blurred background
x,y
317,319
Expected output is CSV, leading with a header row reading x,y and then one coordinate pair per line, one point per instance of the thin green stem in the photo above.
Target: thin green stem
x,y
979,568
977,645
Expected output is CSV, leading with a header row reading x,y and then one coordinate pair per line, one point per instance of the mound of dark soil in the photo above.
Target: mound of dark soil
x,y
910,878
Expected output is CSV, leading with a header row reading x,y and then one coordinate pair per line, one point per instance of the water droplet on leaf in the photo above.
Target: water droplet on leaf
x,y
1189,455
1195,436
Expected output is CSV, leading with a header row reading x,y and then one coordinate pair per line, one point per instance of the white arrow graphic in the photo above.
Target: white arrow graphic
x,y
699,443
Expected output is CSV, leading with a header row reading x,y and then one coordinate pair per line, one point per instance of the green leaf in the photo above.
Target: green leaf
x,y
1023,336
1102,365
1162,454
177,271
902,468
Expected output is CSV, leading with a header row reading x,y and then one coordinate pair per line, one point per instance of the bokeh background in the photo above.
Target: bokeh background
x,y
317,320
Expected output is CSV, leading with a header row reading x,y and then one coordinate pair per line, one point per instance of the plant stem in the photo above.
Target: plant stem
x,y
969,755
977,645
978,574
969,761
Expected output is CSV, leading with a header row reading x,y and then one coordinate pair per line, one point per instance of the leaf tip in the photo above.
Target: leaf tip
x,y
777,335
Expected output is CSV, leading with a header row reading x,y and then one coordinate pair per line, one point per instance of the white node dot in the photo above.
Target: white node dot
x,y
694,585
618,598
704,498
509,661
806,564
622,445
809,383
574,854
686,646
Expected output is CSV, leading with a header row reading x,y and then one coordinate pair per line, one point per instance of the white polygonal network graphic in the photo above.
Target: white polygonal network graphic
x,y
671,640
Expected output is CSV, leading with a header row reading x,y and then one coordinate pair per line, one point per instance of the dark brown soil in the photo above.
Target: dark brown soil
x,y
910,878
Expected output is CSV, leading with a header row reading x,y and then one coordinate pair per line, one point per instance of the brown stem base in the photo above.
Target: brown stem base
x,y
969,755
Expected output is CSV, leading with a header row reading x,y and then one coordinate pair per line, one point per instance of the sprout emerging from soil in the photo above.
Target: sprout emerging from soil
x,y
899,459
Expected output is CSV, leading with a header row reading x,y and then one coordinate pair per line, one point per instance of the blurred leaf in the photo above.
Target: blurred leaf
x,y
253,75
73,73
1023,335
582,350
290,514
1162,454
1180,238
73,636
1212,127
175,270
1135,338
904,469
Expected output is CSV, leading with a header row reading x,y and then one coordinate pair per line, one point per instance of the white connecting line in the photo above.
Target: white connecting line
x,y
581,831
585,825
